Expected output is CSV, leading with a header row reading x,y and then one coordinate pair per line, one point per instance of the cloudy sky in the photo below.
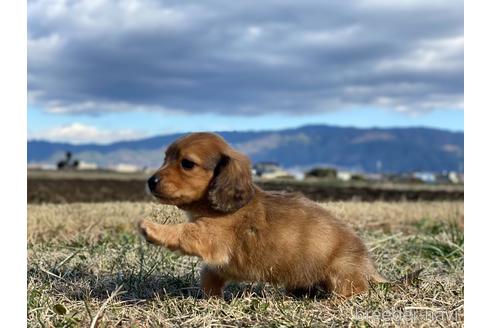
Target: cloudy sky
x,y
105,70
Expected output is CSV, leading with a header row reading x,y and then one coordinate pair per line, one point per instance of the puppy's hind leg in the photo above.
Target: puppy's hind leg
x,y
317,290
212,283
346,280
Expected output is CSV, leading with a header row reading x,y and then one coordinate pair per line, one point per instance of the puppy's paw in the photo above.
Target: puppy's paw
x,y
148,229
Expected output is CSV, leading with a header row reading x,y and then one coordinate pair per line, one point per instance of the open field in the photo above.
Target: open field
x,y
87,264
104,186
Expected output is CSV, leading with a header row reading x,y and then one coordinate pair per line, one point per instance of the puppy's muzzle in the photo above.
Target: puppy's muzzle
x,y
152,182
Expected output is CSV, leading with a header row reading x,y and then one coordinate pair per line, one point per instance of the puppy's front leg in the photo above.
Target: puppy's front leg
x,y
160,234
194,238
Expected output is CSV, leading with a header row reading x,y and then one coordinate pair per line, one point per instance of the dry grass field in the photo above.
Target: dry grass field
x,y
87,267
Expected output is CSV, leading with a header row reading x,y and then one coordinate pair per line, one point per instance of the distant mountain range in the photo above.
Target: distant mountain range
x,y
368,150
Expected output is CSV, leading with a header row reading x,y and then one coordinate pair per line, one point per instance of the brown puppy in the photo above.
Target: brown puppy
x,y
243,233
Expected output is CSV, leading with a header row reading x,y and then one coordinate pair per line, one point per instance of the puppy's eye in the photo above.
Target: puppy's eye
x,y
187,164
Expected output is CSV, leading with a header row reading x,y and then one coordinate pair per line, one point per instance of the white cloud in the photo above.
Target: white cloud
x,y
78,133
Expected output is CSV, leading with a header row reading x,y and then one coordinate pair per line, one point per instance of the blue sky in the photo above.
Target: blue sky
x,y
142,124
112,70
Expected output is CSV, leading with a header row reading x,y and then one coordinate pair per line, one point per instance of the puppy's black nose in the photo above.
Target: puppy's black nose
x,y
152,182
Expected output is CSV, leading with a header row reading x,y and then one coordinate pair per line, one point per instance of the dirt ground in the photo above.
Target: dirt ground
x,y
70,190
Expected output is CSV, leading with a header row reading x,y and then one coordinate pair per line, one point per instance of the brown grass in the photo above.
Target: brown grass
x,y
87,264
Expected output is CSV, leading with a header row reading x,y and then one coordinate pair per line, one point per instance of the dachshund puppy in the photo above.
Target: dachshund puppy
x,y
243,233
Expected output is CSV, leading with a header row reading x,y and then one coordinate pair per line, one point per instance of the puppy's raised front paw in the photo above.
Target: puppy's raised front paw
x,y
148,229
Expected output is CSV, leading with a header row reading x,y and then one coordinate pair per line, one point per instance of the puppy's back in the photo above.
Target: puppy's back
x,y
298,239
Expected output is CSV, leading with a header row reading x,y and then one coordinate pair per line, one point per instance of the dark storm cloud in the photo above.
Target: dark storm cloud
x,y
244,57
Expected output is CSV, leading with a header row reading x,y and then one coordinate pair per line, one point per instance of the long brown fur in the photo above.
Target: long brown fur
x,y
243,233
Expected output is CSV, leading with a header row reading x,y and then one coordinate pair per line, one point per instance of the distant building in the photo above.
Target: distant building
x,y
332,174
375,176
270,170
37,166
402,178
344,175
450,177
87,166
126,168
428,177
456,177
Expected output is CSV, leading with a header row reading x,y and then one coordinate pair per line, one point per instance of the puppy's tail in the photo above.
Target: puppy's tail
x,y
377,278
409,279
373,275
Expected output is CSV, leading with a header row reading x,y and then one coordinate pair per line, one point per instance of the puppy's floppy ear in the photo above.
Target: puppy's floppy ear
x,y
232,186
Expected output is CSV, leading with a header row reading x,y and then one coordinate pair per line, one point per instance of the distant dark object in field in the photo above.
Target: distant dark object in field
x,y
358,177
322,172
67,163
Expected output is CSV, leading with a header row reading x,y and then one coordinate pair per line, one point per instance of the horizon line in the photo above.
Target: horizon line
x,y
254,131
